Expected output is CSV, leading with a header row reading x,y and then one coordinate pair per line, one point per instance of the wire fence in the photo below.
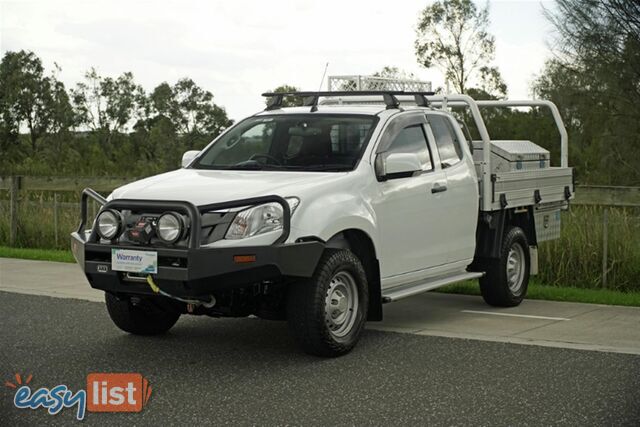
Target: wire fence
x,y
40,212
43,223
599,246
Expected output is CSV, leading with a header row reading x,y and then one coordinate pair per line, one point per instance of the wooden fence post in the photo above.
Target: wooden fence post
x,y
605,245
13,209
55,218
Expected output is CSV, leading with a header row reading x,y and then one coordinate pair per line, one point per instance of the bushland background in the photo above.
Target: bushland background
x,y
107,130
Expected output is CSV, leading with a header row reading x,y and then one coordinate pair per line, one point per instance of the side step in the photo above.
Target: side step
x,y
404,291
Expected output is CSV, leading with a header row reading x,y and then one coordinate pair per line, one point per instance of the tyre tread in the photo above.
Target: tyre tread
x,y
493,285
138,320
305,306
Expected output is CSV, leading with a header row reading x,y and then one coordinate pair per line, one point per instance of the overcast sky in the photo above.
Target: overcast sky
x,y
239,48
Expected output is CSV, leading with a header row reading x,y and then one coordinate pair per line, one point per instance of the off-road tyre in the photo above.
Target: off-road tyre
x,y
498,286
143,318
307,303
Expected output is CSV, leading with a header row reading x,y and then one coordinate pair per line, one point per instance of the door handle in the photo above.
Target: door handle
x,y
438,188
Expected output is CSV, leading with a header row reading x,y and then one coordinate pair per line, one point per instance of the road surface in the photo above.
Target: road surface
x,y
249,371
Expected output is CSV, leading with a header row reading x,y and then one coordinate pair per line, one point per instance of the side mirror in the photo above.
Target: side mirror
x,y
397,165
188,157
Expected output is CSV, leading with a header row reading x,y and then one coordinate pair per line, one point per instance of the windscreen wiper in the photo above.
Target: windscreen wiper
x,y
331,167
247,165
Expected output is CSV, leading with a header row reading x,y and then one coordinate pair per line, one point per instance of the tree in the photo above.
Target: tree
x,y
190,108
594,78
390,72
492,83
9,121
453,36
61,114
287,101
394,74
36,108
30,100
107,104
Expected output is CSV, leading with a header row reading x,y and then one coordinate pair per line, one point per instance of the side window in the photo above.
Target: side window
x,y
446,140
412,139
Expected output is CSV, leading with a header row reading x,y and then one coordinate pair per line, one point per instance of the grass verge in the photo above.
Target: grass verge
x,y
557,293
536,290
36,254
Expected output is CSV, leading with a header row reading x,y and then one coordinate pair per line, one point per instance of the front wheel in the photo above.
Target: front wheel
x,y
507,277
143,318
326,314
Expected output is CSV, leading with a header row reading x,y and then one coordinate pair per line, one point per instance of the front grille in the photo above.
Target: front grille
x,y
214,225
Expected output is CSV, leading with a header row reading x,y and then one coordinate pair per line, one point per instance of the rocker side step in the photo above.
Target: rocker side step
x,y
399,292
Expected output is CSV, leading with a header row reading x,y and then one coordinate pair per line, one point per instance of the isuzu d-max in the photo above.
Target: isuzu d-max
x,y
322,213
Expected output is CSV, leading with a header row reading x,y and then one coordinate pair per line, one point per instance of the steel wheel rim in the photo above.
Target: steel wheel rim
x,y
515,267
341,304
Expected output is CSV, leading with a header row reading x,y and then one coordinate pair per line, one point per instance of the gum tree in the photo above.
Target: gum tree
x,y
453,36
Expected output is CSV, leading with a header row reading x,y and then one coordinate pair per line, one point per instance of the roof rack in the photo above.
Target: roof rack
x,y
310,99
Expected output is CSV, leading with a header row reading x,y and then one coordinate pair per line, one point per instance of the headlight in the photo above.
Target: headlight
x,y
109,224
259,219
170,227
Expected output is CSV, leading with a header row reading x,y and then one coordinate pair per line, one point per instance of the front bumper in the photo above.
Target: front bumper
x,y
195,270
198,272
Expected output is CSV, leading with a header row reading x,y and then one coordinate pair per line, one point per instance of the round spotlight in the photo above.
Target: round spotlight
x,y
109,224
170,227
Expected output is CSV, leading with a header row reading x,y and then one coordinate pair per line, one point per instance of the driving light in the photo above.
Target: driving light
x,y
170,227
109,224
259,219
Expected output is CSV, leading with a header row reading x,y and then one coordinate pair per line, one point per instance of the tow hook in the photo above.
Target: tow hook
x,y
191,303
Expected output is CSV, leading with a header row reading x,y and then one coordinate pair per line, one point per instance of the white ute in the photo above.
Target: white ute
x,y
320,214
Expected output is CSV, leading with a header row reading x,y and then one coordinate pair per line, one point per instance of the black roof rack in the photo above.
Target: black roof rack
x,y
310,99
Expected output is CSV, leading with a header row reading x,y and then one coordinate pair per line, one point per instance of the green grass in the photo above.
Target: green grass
x,y
536,290
557,293
574,260
36,254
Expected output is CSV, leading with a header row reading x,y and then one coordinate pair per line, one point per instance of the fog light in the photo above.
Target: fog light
x,y
109,224
170,227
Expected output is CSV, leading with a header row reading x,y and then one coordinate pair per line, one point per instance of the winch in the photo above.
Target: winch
x,y
143,230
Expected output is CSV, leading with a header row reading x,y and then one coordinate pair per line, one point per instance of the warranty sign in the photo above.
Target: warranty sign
x,y
134,261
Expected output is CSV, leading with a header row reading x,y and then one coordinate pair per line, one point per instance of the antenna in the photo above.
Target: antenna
x,y
323,75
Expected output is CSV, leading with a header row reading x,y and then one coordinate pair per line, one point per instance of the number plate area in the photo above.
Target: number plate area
x,y
134,261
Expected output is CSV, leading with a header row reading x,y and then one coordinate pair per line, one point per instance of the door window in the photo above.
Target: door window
x,y
412,139
446,140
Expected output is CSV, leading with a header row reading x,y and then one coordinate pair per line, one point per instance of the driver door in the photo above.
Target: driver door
x,y
409,209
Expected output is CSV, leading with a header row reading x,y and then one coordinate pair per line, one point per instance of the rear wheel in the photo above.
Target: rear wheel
x,y
143,318
326,313
507,277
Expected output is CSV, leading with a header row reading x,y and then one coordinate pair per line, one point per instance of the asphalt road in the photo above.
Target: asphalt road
x,y
248,371
534,322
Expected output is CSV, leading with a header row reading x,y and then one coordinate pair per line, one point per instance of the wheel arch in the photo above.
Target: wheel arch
x,y
362,245
493,225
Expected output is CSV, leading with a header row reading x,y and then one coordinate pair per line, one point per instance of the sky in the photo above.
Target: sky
x,y
238,49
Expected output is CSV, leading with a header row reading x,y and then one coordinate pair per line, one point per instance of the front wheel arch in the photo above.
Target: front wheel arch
x,y
361,244
315,320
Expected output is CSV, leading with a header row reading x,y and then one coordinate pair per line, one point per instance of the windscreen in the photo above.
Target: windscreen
x,y
306,142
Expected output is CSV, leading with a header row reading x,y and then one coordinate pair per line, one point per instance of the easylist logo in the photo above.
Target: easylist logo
x,y
117,392
105,392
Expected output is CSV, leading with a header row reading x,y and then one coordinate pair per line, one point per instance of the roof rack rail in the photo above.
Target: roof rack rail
x,y
310,99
